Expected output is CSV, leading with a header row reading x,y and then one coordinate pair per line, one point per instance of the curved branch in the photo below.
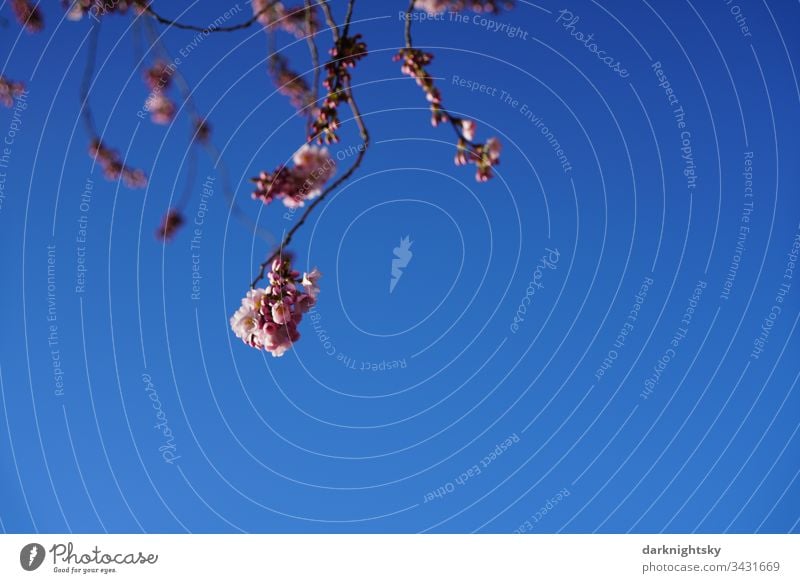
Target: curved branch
x,y
86,81
204,29
211,150
287,238
455,121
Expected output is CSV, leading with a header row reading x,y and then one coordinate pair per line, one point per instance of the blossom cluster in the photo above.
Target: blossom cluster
x,y
437,6
313,167
10,90
77,9
28,15
158,78
292,20
289,83
268,317
344,54
484,156
113,167
414,62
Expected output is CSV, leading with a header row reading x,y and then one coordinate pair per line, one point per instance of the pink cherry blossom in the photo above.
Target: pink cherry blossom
x,y
112,165
162,109
437,6
28,15
10,90
313,167
468,129
268,317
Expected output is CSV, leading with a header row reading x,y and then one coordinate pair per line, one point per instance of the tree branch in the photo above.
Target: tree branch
x,y
364,133
174,23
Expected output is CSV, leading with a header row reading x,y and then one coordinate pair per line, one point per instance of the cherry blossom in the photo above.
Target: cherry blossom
x,y
162,108
159,76
10,90
437,6
28,15
345,53
290,83
112,165
313,167
291,20
268,317
414,62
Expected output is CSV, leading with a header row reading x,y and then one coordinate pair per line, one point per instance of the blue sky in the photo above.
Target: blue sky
x,y
566,350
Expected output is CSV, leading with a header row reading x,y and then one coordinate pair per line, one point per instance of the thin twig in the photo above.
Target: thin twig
x,y
191,175
362,130
211,150
455,122
206,29
409,44
329,20
312,49
86,82
348,17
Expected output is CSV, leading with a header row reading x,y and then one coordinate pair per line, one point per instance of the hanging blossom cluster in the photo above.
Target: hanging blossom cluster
x,y
290,83
292,20
437,6
313,167
113,167
10,90
346,52
414,62
159,78
486,155
77,9
268,317
28,15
